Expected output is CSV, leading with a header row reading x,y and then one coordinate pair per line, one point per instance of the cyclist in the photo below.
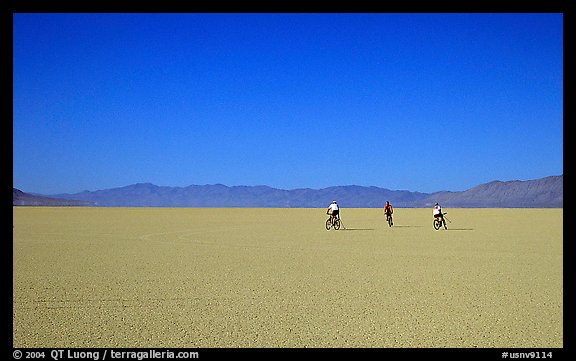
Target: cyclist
x,y
388,210
333,210
437,213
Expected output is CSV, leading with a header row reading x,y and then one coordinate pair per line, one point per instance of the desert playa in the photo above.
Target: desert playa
x,y
202,277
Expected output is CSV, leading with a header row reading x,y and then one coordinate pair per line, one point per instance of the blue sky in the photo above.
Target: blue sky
x,y
421,102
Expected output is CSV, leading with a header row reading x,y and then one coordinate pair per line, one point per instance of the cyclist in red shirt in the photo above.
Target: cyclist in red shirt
x,y
388,210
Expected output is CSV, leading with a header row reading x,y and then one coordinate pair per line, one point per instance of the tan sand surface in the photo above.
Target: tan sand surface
x,y
161,277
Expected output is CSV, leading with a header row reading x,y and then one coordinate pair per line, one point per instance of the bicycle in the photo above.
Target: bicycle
x,y
389,219
438,222
333,222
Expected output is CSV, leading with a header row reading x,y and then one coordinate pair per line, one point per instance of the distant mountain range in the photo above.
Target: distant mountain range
x,y
545,192
20,198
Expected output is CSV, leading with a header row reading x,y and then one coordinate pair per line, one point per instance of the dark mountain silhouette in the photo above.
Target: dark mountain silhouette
x,y
20,198
218,195
540,193
545,192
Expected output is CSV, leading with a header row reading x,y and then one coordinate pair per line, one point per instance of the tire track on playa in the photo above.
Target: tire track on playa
x,y
191,238
113,303
187,237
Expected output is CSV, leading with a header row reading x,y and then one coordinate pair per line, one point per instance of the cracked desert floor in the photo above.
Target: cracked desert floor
x,y
177,277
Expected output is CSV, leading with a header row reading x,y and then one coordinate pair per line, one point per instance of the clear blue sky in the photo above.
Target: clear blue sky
x,y
421,102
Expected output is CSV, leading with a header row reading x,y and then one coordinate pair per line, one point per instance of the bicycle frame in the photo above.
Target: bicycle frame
x,y
333,222
389,219
439,221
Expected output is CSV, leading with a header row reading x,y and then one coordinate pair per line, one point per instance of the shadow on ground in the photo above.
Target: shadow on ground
x,y
407,226
357,229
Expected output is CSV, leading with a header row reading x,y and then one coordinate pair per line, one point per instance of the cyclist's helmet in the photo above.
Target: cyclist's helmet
x,y
333,201
436,203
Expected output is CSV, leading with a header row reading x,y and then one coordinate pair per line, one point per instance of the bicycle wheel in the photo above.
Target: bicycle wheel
x,y
390,221
328,224
437,223
337,223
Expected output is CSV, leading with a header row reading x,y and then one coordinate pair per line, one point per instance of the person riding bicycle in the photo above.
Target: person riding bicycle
x,y
437,213
388,210
333,210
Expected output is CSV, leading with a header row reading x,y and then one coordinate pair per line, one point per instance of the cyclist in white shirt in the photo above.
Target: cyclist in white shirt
x,y
333,210
437,213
